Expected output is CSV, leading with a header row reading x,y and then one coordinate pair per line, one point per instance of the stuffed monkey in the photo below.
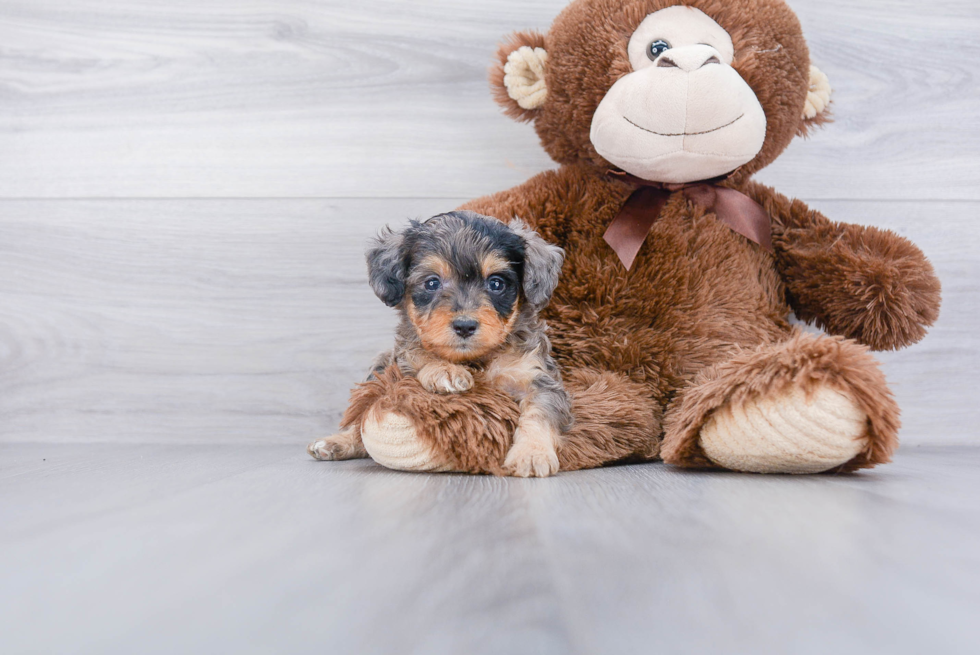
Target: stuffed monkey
x,y
671,319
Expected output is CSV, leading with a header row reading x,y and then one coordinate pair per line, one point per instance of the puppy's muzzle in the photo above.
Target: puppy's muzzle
x,y
465,327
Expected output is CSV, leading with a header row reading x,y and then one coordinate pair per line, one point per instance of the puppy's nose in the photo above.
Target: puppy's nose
x,y
465,327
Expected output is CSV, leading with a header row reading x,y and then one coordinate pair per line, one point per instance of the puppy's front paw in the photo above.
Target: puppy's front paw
x,y
445,378
530,459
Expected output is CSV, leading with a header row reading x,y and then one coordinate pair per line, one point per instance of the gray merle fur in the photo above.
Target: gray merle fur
x,y
463,239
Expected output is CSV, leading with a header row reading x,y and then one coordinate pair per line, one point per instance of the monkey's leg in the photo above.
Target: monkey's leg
x,y
408,428
615,419
805,405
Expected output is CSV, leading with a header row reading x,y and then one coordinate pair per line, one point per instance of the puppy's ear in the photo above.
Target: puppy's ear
x,y
387,266
542,264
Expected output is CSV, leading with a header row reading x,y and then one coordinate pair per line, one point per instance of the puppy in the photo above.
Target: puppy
x,y
469,289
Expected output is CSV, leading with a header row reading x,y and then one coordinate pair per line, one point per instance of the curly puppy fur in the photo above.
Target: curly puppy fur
x,y
469,288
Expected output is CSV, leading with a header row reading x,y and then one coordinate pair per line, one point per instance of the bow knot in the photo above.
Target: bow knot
x,y
626,233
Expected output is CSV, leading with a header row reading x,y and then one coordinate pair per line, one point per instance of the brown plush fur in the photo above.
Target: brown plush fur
x,y
893,291
615,420
474,430
701,318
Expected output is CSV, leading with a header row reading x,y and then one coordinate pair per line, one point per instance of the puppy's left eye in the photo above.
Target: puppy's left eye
x,y
496,284
432,284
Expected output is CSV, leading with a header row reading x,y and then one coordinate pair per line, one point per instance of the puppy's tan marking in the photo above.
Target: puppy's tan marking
x,y
434,326
435,331
493,329
436,265
346,444
512,319
493,263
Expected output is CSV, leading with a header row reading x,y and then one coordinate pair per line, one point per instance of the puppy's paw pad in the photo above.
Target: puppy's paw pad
x,y
533,461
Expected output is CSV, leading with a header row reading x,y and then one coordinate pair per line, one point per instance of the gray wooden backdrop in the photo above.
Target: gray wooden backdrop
x,y
186,188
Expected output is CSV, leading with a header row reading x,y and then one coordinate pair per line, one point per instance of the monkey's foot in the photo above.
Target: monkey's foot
x,y
787,432
392,441
804,405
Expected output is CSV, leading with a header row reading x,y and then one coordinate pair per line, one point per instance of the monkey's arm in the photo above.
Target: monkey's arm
x,y
865,283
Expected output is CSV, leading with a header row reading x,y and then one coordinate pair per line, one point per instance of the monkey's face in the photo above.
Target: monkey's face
x,y
669,91
465,305
684,113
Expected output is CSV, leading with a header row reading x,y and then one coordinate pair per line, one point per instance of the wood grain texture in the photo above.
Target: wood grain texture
x,y
259,549
292,98
232,321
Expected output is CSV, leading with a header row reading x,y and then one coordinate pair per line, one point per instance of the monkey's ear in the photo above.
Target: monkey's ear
x,y
816,111
387,266
542,264
517,78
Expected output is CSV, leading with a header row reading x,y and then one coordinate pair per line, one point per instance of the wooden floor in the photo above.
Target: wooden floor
x,y
109,548
186,188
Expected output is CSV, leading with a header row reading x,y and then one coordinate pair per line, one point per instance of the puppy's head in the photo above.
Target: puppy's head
x,y
462,279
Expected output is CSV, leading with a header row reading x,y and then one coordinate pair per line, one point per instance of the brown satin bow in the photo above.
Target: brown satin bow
x,y
628,230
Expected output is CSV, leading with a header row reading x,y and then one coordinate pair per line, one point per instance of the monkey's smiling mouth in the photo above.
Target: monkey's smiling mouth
x,y
720,127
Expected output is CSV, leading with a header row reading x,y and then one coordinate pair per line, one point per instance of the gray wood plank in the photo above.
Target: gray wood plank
x,y
257,549
219,321
335,99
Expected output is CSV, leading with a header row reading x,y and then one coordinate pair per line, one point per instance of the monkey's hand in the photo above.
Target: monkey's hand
x,y
862,282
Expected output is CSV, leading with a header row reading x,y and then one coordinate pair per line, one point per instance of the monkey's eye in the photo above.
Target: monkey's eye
x,y
496,284
432,284
657,48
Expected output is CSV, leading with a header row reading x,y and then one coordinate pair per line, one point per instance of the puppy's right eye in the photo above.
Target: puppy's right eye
x,y
496,284
432,284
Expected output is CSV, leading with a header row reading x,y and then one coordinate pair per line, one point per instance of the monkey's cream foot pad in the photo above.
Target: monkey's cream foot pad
x,y
391,440
787,432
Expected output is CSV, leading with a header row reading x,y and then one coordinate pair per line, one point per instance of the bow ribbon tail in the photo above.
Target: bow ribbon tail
x,y
626,233
736,210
